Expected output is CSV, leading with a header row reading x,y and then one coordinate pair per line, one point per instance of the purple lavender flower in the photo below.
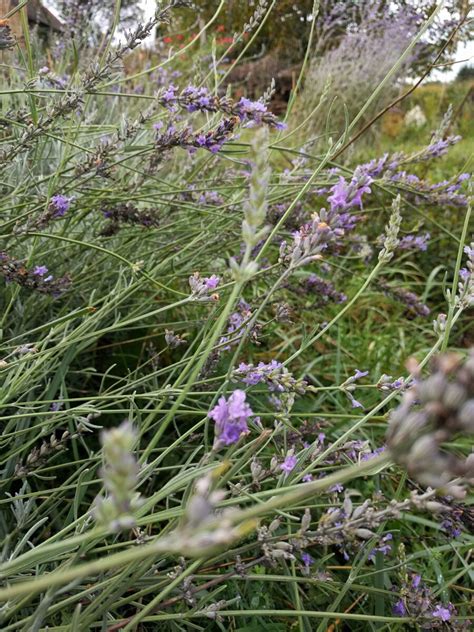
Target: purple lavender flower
x,y
211,282
348,194
416,581
231,418
384,547
354,402
370,455
200,288
195,99
289,463
324,289
40,270
440,612
60,204
169,97
273,373
236,326
399,609
414,242
328,226
13,270
440,146
387,383
451,527
307,559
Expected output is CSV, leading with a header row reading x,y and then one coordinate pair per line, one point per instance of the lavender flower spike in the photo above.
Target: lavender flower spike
x,y
391,233
255,210
231,418
116,510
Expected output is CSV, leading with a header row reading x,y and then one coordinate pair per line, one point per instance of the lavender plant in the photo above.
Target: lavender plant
x,y
171,258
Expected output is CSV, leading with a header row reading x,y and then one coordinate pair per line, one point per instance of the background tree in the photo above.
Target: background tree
x,y
286,33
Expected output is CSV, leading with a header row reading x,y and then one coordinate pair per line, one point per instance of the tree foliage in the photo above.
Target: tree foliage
x,y
286,33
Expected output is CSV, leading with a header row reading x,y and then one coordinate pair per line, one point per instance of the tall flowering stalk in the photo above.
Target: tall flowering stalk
x,y
255,209
120,475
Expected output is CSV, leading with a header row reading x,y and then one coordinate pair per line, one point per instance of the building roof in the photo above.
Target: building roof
x,y
39,14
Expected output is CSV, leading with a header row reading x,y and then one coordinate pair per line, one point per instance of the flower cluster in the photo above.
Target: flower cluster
x,y
127,213
312,239
387,383
213,140
237,326
323,289
465,296
348,526
231,418
418,602
414,242
202,289
38,279
445,193
39,456
328,226
273,374
60,204
413,303
439,147
431,413
195,99
346,195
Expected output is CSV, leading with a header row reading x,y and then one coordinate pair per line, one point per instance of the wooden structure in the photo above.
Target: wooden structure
x,y
37,13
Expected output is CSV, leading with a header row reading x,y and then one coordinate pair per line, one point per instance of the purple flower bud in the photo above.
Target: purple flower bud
x,y
211,282
289,463
40,270
306,559
399,609
60,204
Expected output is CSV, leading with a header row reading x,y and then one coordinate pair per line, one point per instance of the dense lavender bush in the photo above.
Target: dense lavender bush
x,y
236,379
